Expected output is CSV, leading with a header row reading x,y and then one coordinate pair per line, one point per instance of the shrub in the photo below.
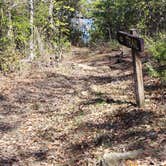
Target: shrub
x,y
9,60
157,48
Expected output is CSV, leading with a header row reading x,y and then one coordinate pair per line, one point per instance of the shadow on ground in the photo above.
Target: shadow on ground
x,y
123,128
38,156
7,127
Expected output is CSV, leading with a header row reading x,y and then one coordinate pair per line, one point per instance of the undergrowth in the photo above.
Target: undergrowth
x,y
157,65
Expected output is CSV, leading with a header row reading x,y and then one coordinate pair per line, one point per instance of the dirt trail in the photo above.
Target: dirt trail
x,y
70,114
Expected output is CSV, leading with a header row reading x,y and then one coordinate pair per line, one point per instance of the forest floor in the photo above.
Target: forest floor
x,y
70,114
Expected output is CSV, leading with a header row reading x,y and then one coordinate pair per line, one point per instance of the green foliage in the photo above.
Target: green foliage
x,y
41,14
4,41
14,34
157,48
53,30
9,60
111,16
21,31
59,31
114,44
97,35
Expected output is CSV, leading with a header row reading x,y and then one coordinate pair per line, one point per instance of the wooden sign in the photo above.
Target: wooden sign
x,y
130,41
137,44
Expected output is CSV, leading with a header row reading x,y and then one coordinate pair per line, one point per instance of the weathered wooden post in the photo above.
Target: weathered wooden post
x,y
138,76
137,45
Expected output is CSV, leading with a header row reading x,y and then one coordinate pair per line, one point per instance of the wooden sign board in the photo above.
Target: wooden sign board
x,y
137,45
130,41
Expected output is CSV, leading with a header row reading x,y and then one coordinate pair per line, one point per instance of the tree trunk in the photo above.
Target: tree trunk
x,y
51,13
39,41
31,44
1,18
9,33
9,15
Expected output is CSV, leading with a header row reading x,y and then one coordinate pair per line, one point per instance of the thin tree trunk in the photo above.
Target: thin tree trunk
x,y
109,33
1,18
9,15
9,33
31,44
51,13
39,41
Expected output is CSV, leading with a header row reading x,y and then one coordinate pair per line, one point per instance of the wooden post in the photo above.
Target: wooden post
x,y
138,76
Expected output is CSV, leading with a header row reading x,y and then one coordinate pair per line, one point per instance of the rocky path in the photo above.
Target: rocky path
x,y
70,114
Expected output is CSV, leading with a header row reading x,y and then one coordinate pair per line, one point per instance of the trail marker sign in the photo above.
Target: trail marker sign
x,y
130,41
137,45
